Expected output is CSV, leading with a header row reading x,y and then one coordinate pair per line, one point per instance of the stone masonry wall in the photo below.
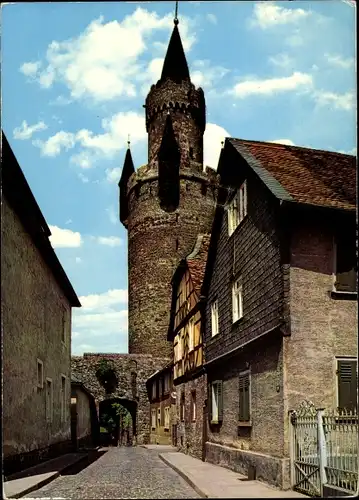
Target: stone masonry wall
x,y
32,308
84,367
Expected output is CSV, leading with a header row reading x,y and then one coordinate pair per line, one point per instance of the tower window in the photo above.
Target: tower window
x,y
191,153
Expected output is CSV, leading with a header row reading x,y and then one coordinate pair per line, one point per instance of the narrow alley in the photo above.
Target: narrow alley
x,y
123,472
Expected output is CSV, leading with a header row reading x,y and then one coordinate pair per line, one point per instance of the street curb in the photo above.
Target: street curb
x,y
46,481
198,490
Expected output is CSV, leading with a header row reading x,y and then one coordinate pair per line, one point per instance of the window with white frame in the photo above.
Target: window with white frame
x,y
49,399
191,334
237,299
167,417
216,402
40,374
153,419
63,398
214,318
237,208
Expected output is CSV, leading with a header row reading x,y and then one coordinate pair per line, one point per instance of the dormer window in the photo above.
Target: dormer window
x,y
237,208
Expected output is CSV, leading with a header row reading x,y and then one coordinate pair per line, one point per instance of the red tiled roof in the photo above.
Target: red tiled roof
x,y
197,262
308,176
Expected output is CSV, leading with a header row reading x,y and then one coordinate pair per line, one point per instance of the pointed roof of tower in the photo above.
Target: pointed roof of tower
x,y
169,143
128,166
175,64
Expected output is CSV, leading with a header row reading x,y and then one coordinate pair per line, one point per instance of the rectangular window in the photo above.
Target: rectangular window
x,y
345,263
153,419
159,417
193,406
214,318
167,417
154,390
182,407
191,334
244,397
49,400
347,383
237,299
237,208
63,398
40,374
215,401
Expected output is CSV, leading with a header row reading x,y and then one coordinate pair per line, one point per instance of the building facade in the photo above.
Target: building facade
x,y
36,303
281,304
162,405
186,333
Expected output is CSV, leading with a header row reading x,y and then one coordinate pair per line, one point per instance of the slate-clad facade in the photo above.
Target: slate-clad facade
x,y
284,299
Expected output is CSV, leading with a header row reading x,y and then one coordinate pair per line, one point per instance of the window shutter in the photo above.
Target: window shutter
x,y
347,384
209,401
244,410
220,400
346,275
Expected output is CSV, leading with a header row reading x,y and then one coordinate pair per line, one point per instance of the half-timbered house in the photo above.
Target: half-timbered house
x,y
185,331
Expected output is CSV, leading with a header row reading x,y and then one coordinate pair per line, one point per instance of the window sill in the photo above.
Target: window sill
x,y
237,321
245,423
343,295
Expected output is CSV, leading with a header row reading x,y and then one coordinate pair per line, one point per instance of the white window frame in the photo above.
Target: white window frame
x,y
39,384
215,406
49,404
153,418
237,208
214,318
237,299
167,417
191,334
63,388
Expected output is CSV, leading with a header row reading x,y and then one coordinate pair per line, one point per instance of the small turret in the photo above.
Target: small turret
x,y
127,170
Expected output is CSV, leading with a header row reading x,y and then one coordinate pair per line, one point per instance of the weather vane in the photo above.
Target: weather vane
x,y
176,14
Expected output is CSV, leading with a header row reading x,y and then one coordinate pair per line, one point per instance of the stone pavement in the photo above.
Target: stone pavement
x,y
124,472
28,480
213,481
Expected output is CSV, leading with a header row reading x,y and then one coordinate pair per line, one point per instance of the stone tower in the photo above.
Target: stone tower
x,y
167,202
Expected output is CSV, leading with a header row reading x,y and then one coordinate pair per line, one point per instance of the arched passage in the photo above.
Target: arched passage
x,y
117,417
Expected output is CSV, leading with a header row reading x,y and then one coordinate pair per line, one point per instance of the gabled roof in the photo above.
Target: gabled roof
x,y
175,64
19,195
302,175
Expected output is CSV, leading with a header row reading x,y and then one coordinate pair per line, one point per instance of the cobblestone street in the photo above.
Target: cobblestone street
x,y
120,473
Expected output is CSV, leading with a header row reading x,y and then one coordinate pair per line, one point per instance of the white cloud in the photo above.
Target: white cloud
x,y
54,145
110,241
297,80
212,146
113,175
286,142
30,69
268,15
83,159
204,75
344,101
26,131
282,60
100,302
64,238
112,215
212,18
339,61
104,61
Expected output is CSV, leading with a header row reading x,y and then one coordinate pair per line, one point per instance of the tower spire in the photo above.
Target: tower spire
x,y
175,64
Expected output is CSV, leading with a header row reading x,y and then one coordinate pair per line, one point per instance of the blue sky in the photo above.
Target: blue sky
x,y
75,77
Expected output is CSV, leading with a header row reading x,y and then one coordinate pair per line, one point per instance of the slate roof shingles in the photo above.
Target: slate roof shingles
x,y
310,176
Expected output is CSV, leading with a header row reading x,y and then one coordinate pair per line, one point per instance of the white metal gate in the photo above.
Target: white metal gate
x,y
304,450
